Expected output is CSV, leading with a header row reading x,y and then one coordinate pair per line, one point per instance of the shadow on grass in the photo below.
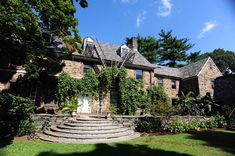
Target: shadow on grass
x,y
119,150
224,140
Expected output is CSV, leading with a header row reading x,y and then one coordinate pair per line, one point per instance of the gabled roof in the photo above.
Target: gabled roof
x,y
194,68
187,71
109,52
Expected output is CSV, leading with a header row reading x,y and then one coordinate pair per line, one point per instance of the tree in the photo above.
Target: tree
x,y
22,23
172,50
193,57
148,47
222,58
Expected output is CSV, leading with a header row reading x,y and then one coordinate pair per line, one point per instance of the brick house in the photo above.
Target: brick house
x,y
95,56
197,77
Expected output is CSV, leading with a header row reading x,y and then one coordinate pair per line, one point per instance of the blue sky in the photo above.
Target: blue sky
x,y
209,24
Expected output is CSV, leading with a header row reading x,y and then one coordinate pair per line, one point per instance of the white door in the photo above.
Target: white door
x,y
84,104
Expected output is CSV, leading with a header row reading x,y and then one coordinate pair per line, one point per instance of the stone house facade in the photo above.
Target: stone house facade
x,y
95,56
198,77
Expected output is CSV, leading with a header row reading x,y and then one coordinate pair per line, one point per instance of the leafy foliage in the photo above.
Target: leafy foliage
x,y
161,109
190,105
113,109
16,105
26,127
131,93
70,105
157,94
14,110
178,125
172,50
222,58
107,76
23,23
69,88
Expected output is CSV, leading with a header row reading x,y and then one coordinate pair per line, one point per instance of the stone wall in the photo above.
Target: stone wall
x,y
131,73
225,90
49,119
209,72
73,68
167,85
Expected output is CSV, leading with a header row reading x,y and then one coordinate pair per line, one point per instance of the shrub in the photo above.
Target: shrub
x,y
14,110
145,126
179,125
26,127
157,94
149,124
220,120
11,104
161,109
113,109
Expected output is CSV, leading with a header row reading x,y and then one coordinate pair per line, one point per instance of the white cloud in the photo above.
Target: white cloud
x,y
140,18
208,26
165,8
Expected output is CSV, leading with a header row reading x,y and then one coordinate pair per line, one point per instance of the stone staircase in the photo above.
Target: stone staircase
x,y
88,130
232,126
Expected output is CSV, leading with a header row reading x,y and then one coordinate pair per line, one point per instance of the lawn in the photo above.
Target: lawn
x,y
206,143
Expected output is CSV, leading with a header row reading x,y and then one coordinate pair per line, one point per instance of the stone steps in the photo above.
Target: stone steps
x,y
232,126
89,124
72,131
87,141
92,122
88,130
87,136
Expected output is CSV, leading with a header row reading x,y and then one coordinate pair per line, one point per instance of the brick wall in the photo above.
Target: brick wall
x,y
225,89
209,72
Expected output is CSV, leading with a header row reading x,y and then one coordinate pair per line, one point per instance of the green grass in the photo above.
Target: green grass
x,y
207,143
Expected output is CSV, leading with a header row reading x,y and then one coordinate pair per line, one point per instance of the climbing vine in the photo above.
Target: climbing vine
x,y
69,88
131,90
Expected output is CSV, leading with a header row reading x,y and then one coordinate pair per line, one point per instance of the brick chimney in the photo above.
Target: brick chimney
x,y
134,43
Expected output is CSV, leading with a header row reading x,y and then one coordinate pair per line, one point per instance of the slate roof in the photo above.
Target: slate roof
x,y
167,71
109,52
187,71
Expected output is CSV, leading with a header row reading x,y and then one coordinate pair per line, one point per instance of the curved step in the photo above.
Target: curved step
x,y
93,132
88,141
91,119
86,136
89,128
82,127
89,124
92,122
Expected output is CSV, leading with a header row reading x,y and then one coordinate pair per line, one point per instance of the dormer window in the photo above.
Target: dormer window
x,y
123,51
88,42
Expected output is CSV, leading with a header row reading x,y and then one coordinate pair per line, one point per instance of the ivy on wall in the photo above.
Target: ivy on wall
x,y
131,90
69,88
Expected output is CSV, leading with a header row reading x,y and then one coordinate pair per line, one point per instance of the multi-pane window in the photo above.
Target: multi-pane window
x,y
173,84
139,74
160,82
86,67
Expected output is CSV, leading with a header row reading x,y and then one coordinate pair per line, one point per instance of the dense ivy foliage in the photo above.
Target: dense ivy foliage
x,y
131,90
70,88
